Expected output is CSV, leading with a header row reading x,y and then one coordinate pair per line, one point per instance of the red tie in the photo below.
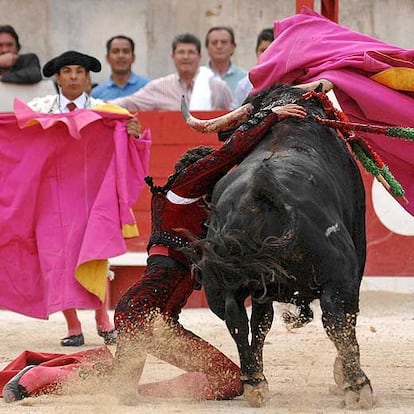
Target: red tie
x,y
71,106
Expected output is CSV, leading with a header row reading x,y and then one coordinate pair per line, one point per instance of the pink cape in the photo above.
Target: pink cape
x,y
68,182
308,47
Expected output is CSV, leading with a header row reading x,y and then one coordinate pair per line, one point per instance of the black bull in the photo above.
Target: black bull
x,y
288,225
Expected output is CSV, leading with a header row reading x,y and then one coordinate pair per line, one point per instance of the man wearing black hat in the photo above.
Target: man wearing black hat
x,y
71,70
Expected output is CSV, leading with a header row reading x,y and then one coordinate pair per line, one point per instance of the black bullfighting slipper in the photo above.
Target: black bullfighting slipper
x,y
13,391
74,340
109,336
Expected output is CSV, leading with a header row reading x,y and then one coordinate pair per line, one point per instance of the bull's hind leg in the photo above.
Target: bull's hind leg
x,y
299,318
340,325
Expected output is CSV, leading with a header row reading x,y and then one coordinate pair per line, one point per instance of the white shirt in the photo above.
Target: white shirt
x,y
51,104
80,102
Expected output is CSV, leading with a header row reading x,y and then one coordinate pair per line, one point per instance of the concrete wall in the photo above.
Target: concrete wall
x,y
49,27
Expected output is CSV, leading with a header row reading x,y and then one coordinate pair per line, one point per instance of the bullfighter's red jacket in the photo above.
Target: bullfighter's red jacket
x,y
179,209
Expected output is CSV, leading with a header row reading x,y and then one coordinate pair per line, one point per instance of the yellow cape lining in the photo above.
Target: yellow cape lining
x,y
92,275
401,79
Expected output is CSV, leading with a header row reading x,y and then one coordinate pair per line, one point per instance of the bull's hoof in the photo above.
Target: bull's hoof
x,y
338,372
366,397
256,395
295,320
335,390
362,399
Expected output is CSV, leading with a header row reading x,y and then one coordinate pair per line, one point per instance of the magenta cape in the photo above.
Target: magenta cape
x,y
308,47
68,182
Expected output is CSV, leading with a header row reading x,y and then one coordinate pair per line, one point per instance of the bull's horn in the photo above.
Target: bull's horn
x,y
222,123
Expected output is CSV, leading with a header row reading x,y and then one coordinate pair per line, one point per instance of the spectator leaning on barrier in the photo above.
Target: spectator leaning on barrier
x,y
202,90
16,68
120,54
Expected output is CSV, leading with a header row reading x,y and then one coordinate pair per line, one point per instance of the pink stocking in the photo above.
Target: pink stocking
x,y
103,322
41,379
73,322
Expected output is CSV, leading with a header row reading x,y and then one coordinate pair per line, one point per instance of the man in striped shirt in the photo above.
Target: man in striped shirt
x,y
202,90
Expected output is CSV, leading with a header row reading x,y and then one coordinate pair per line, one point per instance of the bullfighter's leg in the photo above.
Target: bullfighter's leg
x,y
339,315
75,336
146,318
47,373
104,324
211,375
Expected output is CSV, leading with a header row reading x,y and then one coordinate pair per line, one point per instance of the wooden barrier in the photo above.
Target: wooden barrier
x,y
389,253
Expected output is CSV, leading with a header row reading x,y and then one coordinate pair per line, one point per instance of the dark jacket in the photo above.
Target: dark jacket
x,y
25,70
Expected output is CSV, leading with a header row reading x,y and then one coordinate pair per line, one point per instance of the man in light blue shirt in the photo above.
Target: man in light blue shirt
x,y
244,86
120,54
220,45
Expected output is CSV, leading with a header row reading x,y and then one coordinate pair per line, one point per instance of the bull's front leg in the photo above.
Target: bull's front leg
x,y
339,321
256,389
254,382
238,325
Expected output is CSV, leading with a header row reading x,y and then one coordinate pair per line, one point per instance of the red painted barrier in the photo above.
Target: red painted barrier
x,y
389,254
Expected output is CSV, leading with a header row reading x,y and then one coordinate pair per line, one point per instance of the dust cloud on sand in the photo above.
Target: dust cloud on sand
x,y
298,364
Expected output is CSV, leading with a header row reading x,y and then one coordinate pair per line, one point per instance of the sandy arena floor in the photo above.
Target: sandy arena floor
x,y
298,364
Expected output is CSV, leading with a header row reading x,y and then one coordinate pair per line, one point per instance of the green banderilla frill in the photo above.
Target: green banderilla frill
x,y
382,174
371,161
399,132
